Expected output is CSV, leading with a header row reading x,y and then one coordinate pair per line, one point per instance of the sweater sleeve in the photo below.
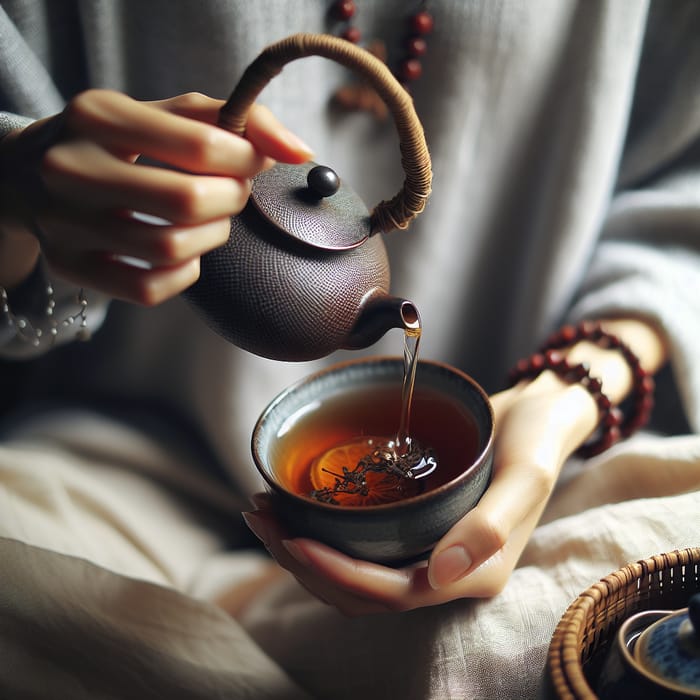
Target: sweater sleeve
x,y
659,281
648,259
9,121
43,312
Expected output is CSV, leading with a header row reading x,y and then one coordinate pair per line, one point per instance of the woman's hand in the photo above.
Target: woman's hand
x,y
538,425
74,182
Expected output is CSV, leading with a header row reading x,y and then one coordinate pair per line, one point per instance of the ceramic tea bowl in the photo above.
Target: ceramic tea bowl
x,y
403,530
656,654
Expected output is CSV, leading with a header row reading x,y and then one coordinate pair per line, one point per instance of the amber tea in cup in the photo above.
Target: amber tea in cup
x,y
325,441
300,446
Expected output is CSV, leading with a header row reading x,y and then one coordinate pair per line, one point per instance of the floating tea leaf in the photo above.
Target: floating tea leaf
x,y
369,471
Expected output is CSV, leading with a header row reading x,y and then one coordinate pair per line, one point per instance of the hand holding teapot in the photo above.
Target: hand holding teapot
x,y
70,184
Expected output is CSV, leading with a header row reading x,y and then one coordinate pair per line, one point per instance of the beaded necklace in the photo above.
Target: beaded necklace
x,y
36,333
408,67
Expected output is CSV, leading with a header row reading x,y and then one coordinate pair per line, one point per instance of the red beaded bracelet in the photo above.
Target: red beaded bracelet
x,y
612,425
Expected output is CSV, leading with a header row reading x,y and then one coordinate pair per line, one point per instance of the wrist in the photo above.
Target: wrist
x,y
606,364
643,337
594,414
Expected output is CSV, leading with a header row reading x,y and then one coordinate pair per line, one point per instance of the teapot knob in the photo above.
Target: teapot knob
x,y
323,181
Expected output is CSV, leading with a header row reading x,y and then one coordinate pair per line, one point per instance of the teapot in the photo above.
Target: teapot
x,y
304,272
656,655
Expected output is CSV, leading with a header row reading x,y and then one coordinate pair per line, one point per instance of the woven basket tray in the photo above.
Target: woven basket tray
x,y
580,641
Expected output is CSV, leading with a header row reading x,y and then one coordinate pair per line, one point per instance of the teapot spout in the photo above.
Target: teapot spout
x,y
380,314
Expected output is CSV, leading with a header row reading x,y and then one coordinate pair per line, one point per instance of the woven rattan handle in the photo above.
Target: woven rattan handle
x,y
410,200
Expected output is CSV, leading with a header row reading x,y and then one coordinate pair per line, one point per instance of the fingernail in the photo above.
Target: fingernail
x,y
448,566
258,526
296,552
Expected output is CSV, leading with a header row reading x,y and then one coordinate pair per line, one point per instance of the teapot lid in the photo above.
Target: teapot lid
x,y
669,649
310,203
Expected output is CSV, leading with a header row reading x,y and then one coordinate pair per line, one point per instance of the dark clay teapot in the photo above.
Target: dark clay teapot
x,y
303,273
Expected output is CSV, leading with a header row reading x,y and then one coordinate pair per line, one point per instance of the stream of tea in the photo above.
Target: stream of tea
x,y
377,469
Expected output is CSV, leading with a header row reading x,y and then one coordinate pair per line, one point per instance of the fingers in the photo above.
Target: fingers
x,y
353,586
124,280
477,556
123,125
102,132
89,250
192,105
517,497
87,224
516,490
84,175
359,588
182,131
315,566
362,588
291,554
157,244
269,136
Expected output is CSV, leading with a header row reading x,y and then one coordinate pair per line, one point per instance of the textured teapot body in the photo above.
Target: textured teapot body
x,y
284,298
303,272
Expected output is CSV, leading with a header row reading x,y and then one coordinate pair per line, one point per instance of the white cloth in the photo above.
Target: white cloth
x,y
113,597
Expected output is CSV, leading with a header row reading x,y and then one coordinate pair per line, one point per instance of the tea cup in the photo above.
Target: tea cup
x,y
450,414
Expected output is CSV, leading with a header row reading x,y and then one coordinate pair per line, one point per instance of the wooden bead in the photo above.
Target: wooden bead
x,y
580,371
422,22
614,418
416,46
352,34
595,384
566,336
607,440
344,9
410,69
537,362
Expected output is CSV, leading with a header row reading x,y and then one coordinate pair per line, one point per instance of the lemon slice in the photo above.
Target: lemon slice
x,y
340,471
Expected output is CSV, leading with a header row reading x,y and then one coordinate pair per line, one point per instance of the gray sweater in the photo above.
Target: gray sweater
x,y
564,138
